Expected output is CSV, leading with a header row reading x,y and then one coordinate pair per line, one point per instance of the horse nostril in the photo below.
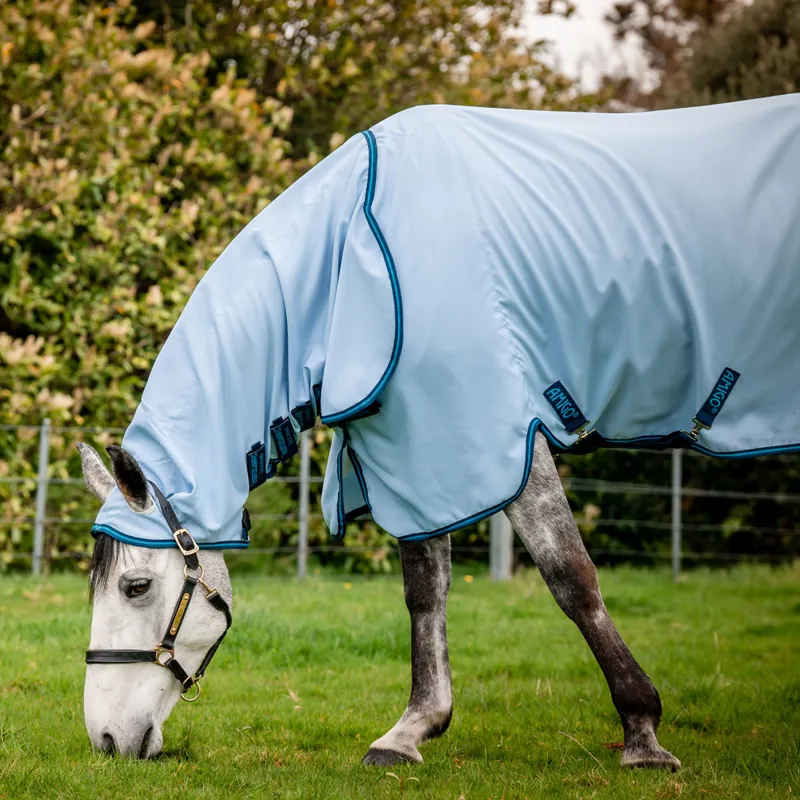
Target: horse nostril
x,y
108,744
145,742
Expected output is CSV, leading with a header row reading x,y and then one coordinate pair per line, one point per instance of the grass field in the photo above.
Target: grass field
x,y
311,674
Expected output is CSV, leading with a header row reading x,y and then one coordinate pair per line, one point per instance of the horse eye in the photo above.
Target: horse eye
x,y
137,588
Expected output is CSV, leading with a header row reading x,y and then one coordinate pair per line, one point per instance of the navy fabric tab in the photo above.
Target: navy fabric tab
x,y
708,413
566,408
318,398
283,436
246,524
257,465
305,416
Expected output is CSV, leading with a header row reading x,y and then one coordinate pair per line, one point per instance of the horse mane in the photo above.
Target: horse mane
x,y
104,558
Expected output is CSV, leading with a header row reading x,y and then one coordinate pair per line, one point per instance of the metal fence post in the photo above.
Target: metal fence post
x,y
41,497
677,478
501,547
302,535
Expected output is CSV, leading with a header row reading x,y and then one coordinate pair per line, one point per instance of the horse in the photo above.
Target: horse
x,y
452,291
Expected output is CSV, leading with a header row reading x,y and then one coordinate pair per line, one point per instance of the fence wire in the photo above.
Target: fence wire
x,y
43,480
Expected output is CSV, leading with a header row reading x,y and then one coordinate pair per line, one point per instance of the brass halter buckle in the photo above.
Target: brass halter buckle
x,y
195,548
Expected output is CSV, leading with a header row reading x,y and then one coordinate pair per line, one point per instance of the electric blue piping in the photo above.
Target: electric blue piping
x,y
164,543
343,416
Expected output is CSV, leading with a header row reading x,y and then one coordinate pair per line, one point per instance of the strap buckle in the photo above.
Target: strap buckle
x,y
189,546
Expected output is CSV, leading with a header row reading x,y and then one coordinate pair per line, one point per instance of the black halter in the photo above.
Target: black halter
x,y
163,653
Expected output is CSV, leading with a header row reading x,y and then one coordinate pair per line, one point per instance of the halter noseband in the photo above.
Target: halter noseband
x,y
163,653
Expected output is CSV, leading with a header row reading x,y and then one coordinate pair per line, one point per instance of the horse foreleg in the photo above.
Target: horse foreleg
x,y
426,577
542,518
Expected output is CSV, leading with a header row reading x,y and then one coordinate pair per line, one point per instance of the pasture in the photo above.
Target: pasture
x,y
311,674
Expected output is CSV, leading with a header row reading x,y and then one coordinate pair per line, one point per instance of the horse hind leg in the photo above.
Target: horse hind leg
x,y
542,518
426,579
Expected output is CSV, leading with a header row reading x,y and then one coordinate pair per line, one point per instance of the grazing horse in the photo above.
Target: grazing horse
x,y
456,292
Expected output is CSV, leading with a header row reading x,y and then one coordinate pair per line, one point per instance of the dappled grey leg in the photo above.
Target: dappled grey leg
x,y
542,518
426,577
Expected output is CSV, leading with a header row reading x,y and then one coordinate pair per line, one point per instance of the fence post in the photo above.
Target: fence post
x,y
41,497
677,478
501,547
302,535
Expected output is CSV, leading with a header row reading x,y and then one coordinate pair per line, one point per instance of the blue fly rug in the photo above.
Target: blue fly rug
x,y
454,279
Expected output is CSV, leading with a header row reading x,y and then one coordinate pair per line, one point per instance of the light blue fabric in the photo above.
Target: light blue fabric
x,y
454,263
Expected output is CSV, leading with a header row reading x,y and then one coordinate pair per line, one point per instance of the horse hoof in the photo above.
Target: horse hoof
x,y
387,758
657,758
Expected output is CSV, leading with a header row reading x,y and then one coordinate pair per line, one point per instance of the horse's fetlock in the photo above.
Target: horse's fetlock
x,y
439,722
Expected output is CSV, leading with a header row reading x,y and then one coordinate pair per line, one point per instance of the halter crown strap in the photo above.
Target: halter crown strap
x,y
186,544
164,653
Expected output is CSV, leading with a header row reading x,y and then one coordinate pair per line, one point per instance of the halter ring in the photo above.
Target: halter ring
x,y
159,651
184,695
198,579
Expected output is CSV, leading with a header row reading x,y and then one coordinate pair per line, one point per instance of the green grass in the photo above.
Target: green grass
x,y
723,648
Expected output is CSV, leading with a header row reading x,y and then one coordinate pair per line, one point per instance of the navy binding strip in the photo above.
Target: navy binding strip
x,y
317,390
397,346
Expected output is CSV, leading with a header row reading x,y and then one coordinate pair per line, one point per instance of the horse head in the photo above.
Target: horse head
x,y
139,597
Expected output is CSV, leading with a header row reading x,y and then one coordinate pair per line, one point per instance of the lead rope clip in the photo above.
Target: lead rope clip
x,y
697,427
582,432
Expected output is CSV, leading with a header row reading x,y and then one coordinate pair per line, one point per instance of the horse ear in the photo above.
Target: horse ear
x,y
98,478
130,479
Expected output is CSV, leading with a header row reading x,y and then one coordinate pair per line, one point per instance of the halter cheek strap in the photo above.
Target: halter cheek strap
x,y
164,653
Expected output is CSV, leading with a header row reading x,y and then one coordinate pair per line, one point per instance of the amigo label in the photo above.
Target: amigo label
x,y
257,465
708,413
283,437
567,409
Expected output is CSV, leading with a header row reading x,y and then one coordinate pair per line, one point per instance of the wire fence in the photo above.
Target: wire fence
x,y
501,551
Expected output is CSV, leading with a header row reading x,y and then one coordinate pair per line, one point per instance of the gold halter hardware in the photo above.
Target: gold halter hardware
x,y
193,697
162,651
209,590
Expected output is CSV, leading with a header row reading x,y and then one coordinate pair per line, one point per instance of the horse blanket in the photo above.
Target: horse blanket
x,y
455,279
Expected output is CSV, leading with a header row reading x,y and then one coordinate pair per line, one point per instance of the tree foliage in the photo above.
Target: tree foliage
x,y
342,66
706,51
754,53
136,141
664,27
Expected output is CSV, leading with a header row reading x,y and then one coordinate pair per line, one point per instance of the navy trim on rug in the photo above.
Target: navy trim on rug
x,y
656,442
160,544
340,515
348,413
